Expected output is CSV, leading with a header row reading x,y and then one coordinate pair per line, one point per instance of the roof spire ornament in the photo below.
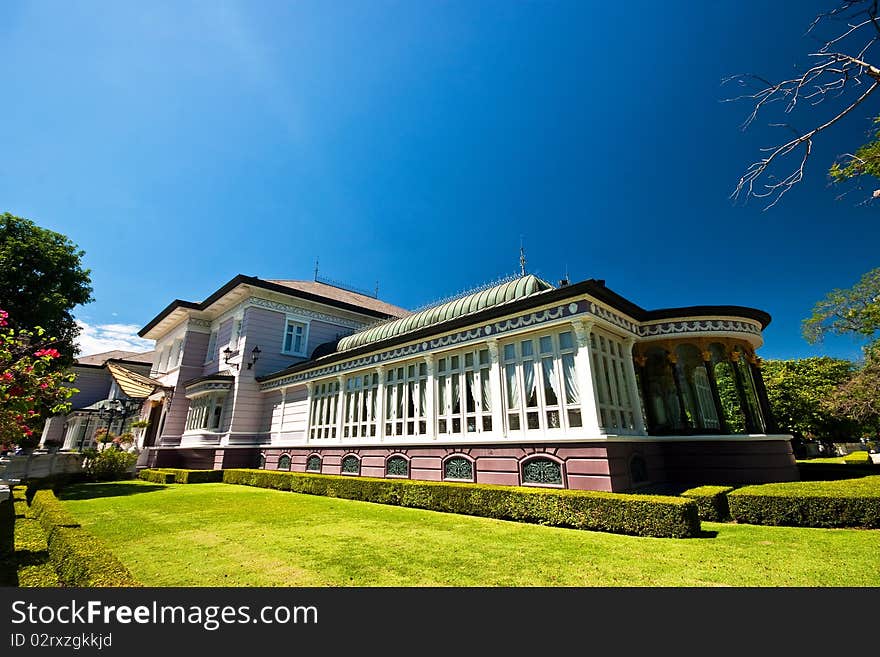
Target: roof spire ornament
x,y
316,268
522,258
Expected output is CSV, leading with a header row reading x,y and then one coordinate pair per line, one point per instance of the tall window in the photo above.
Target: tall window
x,y
609,370
464,399
294,338
323,412
178,359
405,403
236,334
205,412
540,383
212,347
360,406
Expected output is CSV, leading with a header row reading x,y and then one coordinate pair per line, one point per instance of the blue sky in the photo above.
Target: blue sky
x,y
413,144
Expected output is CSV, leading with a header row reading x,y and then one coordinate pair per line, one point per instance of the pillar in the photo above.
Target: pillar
x,y
633,387
380,404
340,407
751,425
672,357
706,355
586,379
770,425
430,418
495,388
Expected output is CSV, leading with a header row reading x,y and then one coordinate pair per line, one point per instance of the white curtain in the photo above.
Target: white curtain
x,y
487,391
529,376
512,387
569,373
550,377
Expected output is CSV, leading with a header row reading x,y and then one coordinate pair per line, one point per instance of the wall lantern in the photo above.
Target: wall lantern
x,y
227,354
255,356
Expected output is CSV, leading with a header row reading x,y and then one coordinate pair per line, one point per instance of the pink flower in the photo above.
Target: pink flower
x,y
51,353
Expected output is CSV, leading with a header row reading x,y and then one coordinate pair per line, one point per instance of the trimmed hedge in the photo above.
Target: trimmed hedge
x,y
639,515
157,476
711,502
858,458
24,561
79,558
181,476
847,503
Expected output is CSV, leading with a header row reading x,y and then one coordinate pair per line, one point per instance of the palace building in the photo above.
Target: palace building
x,y
521,383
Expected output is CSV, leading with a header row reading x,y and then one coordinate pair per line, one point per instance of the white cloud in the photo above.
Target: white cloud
x,y
98,338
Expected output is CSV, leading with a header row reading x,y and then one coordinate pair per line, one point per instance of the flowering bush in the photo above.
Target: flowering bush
x,y
30,384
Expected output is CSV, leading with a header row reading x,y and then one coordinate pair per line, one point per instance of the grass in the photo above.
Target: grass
x,y
24,555
830,459
224,535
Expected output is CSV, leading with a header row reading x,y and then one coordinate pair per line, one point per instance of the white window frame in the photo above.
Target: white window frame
x,y
235,336
212,346
201,412
453,367
515,364
305,337
614,405
360,399
406,390
323,398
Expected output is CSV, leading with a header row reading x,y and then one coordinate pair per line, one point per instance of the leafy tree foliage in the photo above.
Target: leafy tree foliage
x,y
858,399
853,310
41,280
799,392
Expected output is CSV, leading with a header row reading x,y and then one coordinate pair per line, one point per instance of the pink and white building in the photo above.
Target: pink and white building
x,y
521,383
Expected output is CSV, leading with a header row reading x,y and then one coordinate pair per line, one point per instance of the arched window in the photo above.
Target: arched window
x,y
284,462
638,469
458,467
397,466
541,471
313,464
351,464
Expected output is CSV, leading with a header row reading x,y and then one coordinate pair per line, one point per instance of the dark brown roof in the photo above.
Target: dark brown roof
x,y
117,354
309,290
346,296
593,287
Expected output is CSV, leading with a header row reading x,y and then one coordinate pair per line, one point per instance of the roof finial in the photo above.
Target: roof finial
x,y
522,257
316,268
377,289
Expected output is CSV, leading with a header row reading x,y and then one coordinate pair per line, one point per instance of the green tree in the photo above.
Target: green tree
x,y
855,310
858,398
41,280
799,391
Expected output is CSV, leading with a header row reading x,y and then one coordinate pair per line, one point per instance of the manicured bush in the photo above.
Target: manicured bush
x,y
711,502
640,515
24,558
847,503
79,558
49,512
109,465
157,476
835,471
857,458
181,476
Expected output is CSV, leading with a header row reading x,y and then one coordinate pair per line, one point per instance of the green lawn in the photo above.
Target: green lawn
x,y
829,459
226,535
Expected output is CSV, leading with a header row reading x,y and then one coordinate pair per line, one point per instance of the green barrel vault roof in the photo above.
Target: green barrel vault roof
x,y
471,303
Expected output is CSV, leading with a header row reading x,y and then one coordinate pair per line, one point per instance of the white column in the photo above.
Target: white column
x,y
340,407
380,404
284,406
429,397
495,389
310,388
586,379
633,387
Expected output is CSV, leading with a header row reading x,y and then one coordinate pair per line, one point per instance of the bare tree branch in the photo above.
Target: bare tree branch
x,y
839,67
